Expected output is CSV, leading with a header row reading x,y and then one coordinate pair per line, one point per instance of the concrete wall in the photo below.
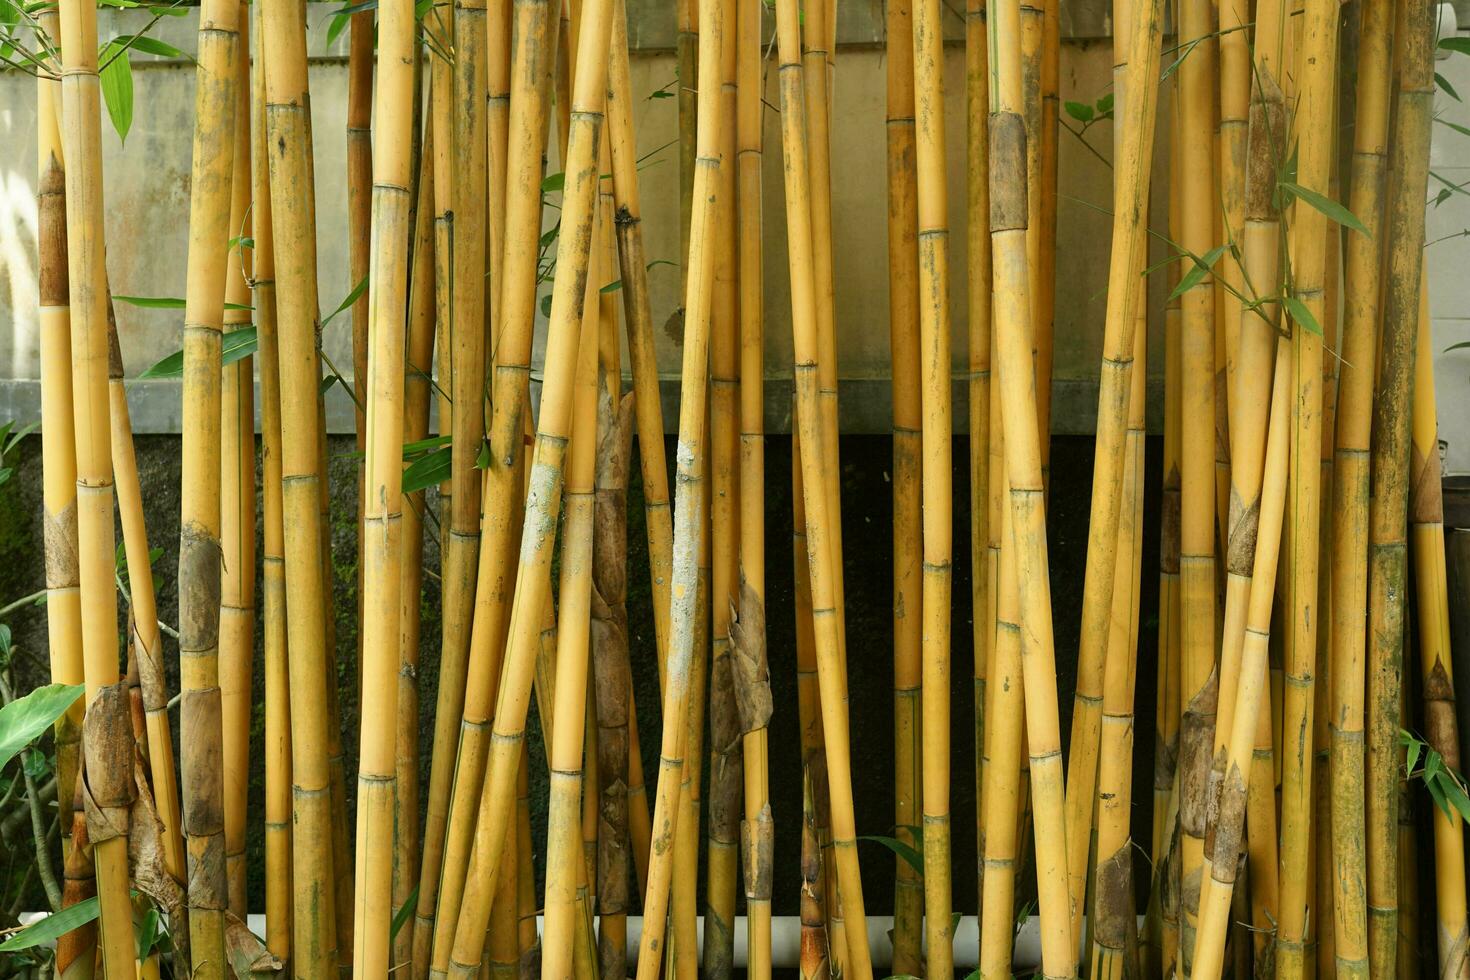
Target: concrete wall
x,y
147,188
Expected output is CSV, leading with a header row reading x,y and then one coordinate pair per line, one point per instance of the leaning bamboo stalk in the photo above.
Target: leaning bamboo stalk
x,y
216,106
382,517
1135,74
936,476
821,526
725,758
748,634
633,268
58,444
277,747
903,332
565,742
1426,518
314,939
1112,872
1253,688
504,477
543,499
237,508
1008,220
416,395
1316,101
449,699
146,638
1404,228
87,283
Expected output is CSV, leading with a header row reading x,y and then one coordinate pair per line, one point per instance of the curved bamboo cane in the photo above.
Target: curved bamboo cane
x,y
87,283
216,106
277,748
1426,519
1135,86
1008,220
903,332
821,519
382,565
314,941
58,442
237,506
532,582
936,476
1404,233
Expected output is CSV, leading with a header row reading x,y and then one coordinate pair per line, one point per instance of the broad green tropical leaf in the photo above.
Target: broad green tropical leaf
x,y
23,720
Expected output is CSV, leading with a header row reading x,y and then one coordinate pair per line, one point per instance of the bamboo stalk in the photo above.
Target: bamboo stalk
x,y
1008,221
382,566
277,748
821,519
76,951
936,477
216,107
58,444
1404,227
1136,94
449,700
360,43
314,939
725,756
237,507
532,582
903,320
1426,517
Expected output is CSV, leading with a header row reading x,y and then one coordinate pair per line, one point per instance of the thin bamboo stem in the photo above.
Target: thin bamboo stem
x,y
360,43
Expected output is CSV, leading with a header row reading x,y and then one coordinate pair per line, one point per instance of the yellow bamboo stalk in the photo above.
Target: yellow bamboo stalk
x,y
1426,519
58,445
1404,233
277,747
903,320
360,43
1350,486
216,106
1253,688
936,476
821,518
1044,292
1008,222
314,939
382,519
686,78
1136,98
532,581
237,507
87,283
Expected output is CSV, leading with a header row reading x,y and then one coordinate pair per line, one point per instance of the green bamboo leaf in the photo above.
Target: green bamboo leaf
x,y
1455,794
351,298
1201,267
53,927
1449,89
234,346
1320,202
1460,45
424,445
147,933
1080,111
23,720
401,917
553,183
1298,311
1413,748
430,469
1436,793
117,87
612,287
908,854
152,45
1462,345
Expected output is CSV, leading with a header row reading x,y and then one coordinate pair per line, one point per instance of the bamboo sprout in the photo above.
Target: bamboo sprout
x,y
1008,220
237,507
936,478
76,951
1426,510
1404,228
277,748
314,939
903,319
543,498
216,106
